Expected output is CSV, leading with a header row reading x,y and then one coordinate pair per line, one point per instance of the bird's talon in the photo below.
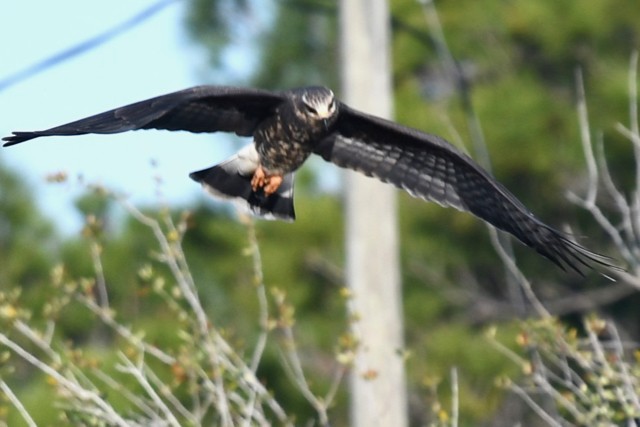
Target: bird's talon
x,y
268,183
272,184
259,179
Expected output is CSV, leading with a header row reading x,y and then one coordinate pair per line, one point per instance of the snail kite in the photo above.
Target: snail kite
x,y
288,126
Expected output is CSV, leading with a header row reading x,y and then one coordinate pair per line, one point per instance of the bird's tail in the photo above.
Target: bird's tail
x,y
231,179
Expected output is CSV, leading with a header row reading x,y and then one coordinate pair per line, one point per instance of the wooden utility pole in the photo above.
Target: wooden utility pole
x,y
378,389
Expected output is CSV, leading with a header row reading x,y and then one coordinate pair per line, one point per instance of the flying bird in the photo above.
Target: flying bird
x,y
288,126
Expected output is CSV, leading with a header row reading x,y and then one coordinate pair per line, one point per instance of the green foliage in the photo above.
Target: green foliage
x,y
458,347
587,374
212,24
167,361
314,46
21,224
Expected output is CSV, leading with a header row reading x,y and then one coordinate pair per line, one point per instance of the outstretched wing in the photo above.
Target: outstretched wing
x,y
198,109
430,168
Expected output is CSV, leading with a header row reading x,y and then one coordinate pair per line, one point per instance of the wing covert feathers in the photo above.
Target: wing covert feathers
x,y
197,109
430,168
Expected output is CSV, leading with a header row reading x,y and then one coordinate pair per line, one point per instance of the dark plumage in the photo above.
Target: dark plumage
x,y
289,126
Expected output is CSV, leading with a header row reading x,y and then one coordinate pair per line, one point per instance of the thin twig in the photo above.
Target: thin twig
x,y
455,403
293,367
108,319
16,402
520,278
585,139
103,295
626,376
36,339
77,390
533,405
254,249
125,392
335,385
137,371
165,391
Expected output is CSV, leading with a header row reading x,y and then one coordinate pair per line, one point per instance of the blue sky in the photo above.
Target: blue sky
x,y
151,59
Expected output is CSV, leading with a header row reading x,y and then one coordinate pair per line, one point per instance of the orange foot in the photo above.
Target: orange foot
x,y
268,183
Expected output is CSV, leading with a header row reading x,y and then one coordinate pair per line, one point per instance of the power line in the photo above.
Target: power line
x,y
84,46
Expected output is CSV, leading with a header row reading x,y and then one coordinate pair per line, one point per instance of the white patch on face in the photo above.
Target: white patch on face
x,y
320,105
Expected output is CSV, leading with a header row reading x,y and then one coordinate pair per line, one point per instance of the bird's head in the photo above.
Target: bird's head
x,y
319,104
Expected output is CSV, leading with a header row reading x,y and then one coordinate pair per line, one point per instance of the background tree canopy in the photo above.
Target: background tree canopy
x,y
519,60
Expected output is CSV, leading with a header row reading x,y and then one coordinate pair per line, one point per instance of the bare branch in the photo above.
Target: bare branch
x,y
587,145
137,371
18,405
74,388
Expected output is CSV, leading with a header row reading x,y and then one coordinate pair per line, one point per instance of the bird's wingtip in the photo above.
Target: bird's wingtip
x,y
577,256
8,141
17,138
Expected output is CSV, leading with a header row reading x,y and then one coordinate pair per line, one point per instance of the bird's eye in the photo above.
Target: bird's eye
x,y
310,109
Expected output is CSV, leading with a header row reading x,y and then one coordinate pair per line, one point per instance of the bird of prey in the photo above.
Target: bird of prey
x,y
288,126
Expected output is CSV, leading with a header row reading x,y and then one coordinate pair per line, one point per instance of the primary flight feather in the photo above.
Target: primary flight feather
x,y
288,126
